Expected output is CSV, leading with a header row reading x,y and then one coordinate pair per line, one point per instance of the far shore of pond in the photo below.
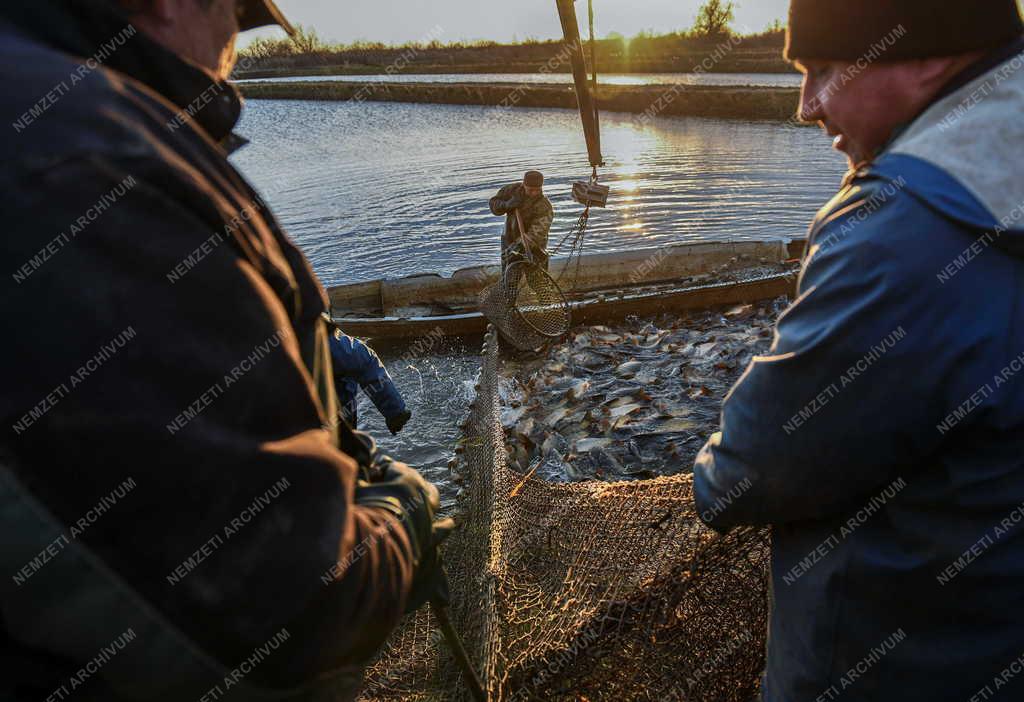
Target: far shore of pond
x,y
646,101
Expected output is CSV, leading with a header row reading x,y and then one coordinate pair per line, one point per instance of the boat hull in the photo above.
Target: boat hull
x,y
603,288
598,310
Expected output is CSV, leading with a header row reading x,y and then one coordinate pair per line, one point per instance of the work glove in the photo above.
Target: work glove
x,y
514,202
396,423
361,447
404,493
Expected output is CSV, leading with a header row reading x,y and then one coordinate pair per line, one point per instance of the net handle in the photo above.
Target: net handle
x,y
522,236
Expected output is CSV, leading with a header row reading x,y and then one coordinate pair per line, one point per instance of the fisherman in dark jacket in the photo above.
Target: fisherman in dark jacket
x,y
527,198
357,366
883,434
181,518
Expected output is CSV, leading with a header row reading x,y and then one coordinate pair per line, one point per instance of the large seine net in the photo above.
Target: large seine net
x,y
585,591
526,305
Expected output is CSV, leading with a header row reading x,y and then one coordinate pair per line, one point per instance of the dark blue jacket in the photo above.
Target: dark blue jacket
x,y
883,435
356,366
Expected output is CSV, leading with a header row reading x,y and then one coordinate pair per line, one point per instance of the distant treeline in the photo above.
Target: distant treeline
x,y
307,54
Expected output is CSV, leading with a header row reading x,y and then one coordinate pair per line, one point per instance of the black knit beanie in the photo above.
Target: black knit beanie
x,y
897,30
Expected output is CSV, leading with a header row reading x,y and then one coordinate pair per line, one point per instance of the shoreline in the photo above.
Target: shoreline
x,y
729,55
649,101
338,69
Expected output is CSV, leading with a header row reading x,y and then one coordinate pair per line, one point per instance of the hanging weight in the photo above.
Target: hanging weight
x,y
590,194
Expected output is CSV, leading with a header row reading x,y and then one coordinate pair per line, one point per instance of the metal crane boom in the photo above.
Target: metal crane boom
x,y
584,96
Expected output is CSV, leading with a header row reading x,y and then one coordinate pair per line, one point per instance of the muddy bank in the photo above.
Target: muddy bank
x,y
725,102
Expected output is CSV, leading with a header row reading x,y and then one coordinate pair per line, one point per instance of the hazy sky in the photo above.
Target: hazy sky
x,y
396,21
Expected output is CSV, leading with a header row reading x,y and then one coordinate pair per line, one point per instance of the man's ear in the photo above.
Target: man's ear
x,y
936,72
931,70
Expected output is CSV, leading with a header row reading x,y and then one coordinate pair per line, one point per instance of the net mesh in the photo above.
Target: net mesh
x,y
526,305
596,591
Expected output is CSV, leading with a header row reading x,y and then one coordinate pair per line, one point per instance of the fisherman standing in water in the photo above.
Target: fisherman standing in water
x,y
536,213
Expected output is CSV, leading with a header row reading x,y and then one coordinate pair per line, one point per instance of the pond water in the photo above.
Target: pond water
x,y
371,190
379,189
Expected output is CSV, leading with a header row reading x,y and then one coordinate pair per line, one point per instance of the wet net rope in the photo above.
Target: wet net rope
x,y
602,591
578,233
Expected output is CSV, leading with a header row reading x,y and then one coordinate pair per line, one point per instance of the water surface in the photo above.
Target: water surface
x,y
375,189
379,189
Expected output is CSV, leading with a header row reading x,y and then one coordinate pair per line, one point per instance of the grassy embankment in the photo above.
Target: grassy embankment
x,y
668,53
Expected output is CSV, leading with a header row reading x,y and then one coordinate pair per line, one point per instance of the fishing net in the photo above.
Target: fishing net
x,y
595,591
526,305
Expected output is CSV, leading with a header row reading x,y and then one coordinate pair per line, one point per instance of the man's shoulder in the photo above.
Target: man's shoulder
x,y
60,107
963,153
876,232
883,213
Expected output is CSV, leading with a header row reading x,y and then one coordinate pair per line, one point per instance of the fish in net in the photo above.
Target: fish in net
x,y
596,591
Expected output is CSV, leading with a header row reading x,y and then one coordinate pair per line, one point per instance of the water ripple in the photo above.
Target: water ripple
x,y
373,190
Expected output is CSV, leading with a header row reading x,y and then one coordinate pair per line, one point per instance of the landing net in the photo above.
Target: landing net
x,y
526,305
593,591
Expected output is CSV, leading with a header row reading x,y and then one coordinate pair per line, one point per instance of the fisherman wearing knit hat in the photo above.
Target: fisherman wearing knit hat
x,y
882,437
536,213
871,67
